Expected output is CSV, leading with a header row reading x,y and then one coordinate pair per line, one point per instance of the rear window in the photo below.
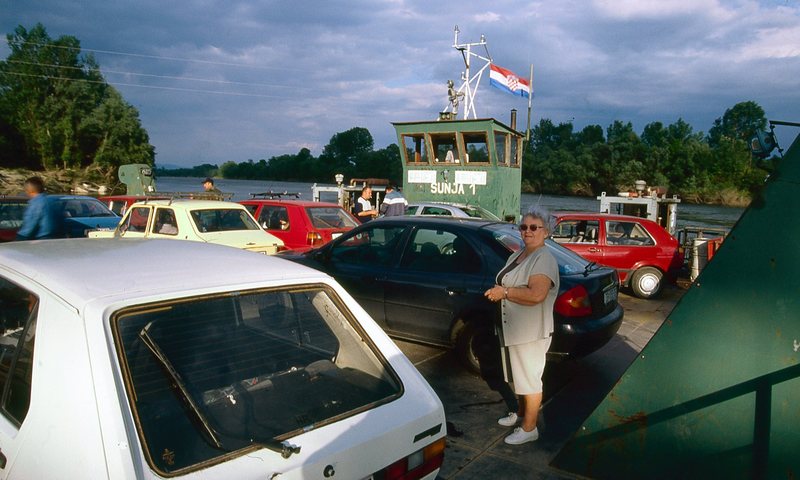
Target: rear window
x,y
11,214
241,371
223,220
330,217
507,239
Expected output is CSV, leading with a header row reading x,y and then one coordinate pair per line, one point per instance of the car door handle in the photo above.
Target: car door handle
x,y
594,249
452,291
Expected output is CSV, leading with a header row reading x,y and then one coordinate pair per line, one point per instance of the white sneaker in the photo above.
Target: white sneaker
x,y
520,436
509,420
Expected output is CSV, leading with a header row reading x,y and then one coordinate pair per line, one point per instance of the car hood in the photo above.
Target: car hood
x,y
247,239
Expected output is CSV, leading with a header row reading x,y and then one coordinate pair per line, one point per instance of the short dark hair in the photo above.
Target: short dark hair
x,y
36,183
209,180
391,186
364,188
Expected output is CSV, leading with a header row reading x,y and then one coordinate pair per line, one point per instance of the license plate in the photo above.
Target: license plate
x,y
610,295
336,235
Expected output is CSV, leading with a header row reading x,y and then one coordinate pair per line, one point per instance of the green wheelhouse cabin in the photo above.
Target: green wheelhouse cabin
x,y
473,162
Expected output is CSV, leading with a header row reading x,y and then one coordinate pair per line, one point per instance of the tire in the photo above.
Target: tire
x,y
646,282
472,337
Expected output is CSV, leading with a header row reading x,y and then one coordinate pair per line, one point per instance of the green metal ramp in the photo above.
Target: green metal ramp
x,y
716,392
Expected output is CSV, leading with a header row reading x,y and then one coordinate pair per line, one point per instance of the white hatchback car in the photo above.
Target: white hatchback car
x,y
460,210
210,221
188,360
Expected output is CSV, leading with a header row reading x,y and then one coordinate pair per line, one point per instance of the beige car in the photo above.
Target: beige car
x,y
223,223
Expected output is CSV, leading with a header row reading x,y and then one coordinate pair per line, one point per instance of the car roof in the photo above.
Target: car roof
x,y
13,198
605,216
442,204
73,197
190,204
466,222
136,268
299,203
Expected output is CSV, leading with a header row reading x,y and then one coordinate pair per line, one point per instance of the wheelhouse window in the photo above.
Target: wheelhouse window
x,y
477,148
18,312
445,148
244,370
223,220
416,150
516,150
500,142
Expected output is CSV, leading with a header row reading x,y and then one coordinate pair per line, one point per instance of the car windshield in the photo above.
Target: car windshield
x,y
330,217
84,208
209,376
223,220
507,236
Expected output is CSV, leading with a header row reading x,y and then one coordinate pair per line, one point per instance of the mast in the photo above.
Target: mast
x,y
470,82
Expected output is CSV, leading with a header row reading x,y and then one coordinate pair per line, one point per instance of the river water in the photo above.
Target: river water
x,y
688,214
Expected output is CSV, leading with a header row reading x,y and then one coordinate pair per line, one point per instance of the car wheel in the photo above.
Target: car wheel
x,y
646,282
472,338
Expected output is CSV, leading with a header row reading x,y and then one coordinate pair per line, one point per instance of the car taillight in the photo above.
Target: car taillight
x,y
313,238
574,302
416,465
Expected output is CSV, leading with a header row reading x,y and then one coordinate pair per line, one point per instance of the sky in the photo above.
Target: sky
x,y
235,80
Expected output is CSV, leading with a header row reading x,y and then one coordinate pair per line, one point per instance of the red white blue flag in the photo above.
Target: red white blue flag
x,y
507,80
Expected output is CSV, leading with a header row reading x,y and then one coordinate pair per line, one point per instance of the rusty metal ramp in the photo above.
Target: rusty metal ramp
x,y
716,392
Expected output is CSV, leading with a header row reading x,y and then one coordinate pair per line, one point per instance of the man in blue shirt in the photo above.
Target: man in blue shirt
x,y
42,218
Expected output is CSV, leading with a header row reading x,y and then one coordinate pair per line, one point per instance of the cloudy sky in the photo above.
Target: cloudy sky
x,y
235,80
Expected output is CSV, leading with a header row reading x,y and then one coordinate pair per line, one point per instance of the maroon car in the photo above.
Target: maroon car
x,y
11,210
643,253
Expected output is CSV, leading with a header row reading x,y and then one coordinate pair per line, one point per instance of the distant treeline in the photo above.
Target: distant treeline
x,y
713,168
58,112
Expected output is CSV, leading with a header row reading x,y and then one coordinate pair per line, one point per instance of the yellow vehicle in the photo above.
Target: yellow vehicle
x,y
223,223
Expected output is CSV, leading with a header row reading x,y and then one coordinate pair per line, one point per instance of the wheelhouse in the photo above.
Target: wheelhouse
x,y
473,162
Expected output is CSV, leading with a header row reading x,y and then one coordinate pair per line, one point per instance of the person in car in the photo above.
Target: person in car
x,y
394,203
42,218
363,209
527,287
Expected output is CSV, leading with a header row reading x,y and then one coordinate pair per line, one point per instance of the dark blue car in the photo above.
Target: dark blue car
x,y
82,214
423,278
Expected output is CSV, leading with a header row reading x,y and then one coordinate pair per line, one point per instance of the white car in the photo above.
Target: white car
x,y
450,210
224,223
189,360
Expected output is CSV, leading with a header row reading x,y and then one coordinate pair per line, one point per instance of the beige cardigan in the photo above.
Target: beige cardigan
x,y
527,323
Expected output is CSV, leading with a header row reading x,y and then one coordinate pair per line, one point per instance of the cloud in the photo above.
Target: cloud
x,y
286,77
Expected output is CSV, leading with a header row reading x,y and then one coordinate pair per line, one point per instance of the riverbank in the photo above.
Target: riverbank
x,y
91,180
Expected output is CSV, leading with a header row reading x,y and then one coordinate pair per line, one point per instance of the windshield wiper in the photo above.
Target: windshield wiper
x,y
285,448
589,268
178,385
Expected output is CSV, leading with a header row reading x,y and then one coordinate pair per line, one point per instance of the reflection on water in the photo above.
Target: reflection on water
x,y
688,214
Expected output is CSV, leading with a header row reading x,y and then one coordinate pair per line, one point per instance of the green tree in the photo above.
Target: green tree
x,y
739,122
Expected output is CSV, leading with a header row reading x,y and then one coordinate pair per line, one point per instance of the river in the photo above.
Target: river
x,y
688,214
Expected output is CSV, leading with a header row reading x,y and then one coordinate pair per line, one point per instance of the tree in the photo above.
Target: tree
x,y
741,122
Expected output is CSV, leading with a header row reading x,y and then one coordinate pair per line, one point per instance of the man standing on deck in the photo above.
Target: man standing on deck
x,y
394,203
363,209
42,218
208,186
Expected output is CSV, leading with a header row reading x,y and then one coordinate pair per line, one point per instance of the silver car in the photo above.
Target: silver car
x,y
450,210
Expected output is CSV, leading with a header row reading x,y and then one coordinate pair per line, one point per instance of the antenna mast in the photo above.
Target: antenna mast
x,y
470,82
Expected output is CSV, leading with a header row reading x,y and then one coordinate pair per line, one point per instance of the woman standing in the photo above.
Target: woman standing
x,y
527,287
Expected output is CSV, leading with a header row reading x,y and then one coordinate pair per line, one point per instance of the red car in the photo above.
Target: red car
x,y
643,253
301,225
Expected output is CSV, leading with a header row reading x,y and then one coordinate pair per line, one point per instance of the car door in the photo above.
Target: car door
x,y
435,280
362,261
136,222
18,312
582,236
626,243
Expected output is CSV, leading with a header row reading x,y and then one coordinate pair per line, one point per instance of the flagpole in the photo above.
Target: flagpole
x,y
530,104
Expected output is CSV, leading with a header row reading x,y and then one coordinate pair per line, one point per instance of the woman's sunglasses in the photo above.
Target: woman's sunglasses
x,y
523,227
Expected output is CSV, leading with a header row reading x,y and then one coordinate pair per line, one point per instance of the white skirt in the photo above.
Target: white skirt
x,y
525,366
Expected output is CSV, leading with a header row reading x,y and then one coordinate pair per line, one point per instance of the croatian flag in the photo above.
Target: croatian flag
x,y
506,80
